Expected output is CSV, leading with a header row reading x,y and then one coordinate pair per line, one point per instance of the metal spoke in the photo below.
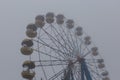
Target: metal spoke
x,y
54,62
93,71
56,75
47,45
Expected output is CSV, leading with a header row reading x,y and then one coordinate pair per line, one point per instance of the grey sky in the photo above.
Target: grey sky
x,y
99,18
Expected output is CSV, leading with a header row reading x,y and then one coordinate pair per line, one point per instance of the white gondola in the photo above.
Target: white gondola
x,y
39,21
29,64
27,42
69,23
50,17
94,49
30,33
78,31
105,73
28,75
40,17
101,65
87,40
31,26
60,19
100,60
26,50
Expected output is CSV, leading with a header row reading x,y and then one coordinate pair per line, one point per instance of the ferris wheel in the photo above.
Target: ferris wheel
x,y
58,49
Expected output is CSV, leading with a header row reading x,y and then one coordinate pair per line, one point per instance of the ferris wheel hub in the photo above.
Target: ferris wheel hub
x,y
80,59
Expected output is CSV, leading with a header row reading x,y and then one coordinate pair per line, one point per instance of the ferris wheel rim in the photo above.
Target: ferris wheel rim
x,y
65,43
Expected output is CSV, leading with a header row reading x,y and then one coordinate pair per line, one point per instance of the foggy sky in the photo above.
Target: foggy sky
x,y
99,18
